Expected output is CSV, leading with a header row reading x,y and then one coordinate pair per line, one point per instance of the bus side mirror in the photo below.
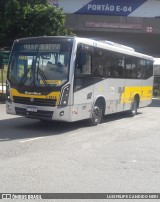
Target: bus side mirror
x,y
82,58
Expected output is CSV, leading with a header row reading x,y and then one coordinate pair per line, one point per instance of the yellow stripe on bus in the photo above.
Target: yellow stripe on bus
x,y
52,95
145,93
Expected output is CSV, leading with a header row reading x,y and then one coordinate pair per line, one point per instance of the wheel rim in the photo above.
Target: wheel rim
x,y
96,115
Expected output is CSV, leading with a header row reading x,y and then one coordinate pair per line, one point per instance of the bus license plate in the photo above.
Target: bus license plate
x,y
32,109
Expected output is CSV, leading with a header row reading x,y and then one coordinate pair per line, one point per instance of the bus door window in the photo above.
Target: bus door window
x,y
83,64
83,70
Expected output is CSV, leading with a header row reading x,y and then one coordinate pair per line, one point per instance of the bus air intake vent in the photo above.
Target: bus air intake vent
x,y
35,101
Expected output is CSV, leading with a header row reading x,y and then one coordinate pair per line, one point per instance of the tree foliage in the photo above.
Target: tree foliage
x,y
25,18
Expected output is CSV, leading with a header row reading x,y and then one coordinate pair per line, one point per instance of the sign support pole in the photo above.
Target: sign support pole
x,y
2,82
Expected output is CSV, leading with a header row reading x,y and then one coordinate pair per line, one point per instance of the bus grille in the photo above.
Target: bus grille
x,y
38,115
35,101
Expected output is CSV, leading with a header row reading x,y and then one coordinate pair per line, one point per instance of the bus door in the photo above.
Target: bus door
x,y
147,82
83,85
133,80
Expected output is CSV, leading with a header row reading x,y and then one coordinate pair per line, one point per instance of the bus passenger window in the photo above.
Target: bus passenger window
x,y
131,70
99,71
106,72
120,71
140,68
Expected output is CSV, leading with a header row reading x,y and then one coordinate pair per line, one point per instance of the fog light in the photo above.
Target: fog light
x,y
61,113
64,102
9,107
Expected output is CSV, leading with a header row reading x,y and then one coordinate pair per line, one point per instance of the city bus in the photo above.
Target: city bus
x,y
72,78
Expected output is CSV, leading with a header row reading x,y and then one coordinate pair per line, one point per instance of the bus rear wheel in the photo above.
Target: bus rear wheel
x,y
96,115
134,107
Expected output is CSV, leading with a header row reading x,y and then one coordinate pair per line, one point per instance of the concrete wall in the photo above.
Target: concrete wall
x,y
113,23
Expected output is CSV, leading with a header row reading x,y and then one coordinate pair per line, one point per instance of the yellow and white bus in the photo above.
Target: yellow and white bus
x,y
72,78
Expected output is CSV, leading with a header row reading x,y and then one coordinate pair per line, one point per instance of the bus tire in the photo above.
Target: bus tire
x,y
96,115
134,108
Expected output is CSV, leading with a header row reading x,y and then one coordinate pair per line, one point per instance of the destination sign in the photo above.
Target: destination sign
x,y
42,47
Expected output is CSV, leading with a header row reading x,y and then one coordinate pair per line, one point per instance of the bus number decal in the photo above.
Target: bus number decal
x,y
52,97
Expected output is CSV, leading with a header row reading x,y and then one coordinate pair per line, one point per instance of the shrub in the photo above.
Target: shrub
x,y
156,93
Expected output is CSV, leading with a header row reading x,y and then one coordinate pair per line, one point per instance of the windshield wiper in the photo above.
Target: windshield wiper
x,y
43,77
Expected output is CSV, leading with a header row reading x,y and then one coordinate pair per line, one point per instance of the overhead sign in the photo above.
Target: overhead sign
x,y
134,8
110,7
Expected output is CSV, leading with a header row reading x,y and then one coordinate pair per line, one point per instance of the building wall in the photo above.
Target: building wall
x,y
113,23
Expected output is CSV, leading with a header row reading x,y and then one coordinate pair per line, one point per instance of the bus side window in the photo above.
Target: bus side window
x,y
140,66
120,65
120,71
130,68
99,63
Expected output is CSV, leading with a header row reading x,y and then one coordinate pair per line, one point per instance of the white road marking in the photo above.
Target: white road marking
x,y
32,139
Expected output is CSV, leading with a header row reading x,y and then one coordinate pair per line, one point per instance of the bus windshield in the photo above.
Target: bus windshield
x,y
40,64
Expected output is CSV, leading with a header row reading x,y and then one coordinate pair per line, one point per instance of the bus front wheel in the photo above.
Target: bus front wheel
x,y
96,115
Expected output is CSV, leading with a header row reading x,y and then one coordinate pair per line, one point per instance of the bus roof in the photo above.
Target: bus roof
x,y
114,47
108,45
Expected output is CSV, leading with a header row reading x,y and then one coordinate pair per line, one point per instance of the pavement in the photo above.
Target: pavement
x,y
121,155
2,110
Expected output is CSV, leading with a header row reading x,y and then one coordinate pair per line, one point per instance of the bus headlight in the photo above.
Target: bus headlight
x,y
65,96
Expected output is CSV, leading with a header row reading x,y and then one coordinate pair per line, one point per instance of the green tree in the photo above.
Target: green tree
x,y
25,18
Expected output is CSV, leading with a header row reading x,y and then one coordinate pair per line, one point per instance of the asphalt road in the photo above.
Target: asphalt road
x,y
120,155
